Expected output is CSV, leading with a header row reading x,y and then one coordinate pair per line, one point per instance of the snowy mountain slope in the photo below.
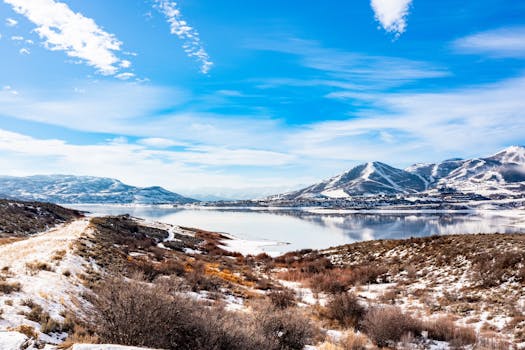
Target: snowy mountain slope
x,y
83,189
500,174
433,172
366,179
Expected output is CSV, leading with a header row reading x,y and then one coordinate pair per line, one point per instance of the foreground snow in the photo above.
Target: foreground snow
x,y
12,340
55,287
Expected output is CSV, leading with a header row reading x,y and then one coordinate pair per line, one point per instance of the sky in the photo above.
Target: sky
x,y
241,99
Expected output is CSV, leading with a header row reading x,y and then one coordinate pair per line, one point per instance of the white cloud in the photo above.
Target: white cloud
x,y
24,51
124,76
391,14
11,22
61,29
9,89
159,142
17,38
27,155
125,64
503,42
422,126
192,44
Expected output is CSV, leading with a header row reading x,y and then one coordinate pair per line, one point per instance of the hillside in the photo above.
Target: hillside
x,y
19,219
120,280
68,189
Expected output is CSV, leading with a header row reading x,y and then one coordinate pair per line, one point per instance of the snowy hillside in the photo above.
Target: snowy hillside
x,y
83,189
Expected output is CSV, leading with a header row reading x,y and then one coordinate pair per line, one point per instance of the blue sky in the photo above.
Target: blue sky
x,y
247,98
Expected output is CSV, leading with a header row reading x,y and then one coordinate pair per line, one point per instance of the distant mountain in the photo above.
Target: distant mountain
x,y
84,189
501,174
432,173
366,179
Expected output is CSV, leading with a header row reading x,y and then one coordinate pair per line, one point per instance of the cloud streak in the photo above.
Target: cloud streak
x,y
192,43
500,43
391,14
80,37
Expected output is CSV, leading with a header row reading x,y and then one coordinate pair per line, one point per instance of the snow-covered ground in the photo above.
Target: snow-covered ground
x,y
55,286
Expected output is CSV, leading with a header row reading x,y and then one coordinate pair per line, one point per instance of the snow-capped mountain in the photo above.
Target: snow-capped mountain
x,y
503,173
432,173
84,189
366,179
500,174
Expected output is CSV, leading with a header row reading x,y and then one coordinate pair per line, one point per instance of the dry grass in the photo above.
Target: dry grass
x,y
9,287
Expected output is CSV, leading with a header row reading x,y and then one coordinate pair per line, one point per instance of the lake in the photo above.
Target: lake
x,y
298,229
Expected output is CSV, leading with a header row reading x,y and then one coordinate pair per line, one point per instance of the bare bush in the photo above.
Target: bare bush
x,y
354,341
285,329
8,288
494,268
345,309
444,329
332,281
282,299
138,314
387,325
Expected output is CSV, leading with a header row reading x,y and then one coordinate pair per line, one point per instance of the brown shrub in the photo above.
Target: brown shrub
x,y
345,309
332,281
137,314
387,325
34,267
354,341
198,280
285,329
282,299
492,344
444,329
316,266
369,273
59,255
29,331
8,288
494,268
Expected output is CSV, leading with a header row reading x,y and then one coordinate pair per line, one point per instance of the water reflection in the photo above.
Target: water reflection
x,y
308,230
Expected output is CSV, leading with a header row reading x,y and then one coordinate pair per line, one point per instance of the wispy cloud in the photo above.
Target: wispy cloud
x,y
192,43
392,14
11,22
502,43
61,29
421,125
344,68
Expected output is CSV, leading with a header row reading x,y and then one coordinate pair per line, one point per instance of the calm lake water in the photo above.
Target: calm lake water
x,y
301,229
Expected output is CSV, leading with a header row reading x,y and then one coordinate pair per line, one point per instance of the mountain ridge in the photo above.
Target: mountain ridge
x,y
73,189
502,173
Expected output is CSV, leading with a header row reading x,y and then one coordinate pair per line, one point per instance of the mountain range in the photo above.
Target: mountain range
x,y
68,189
496,176
502,174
